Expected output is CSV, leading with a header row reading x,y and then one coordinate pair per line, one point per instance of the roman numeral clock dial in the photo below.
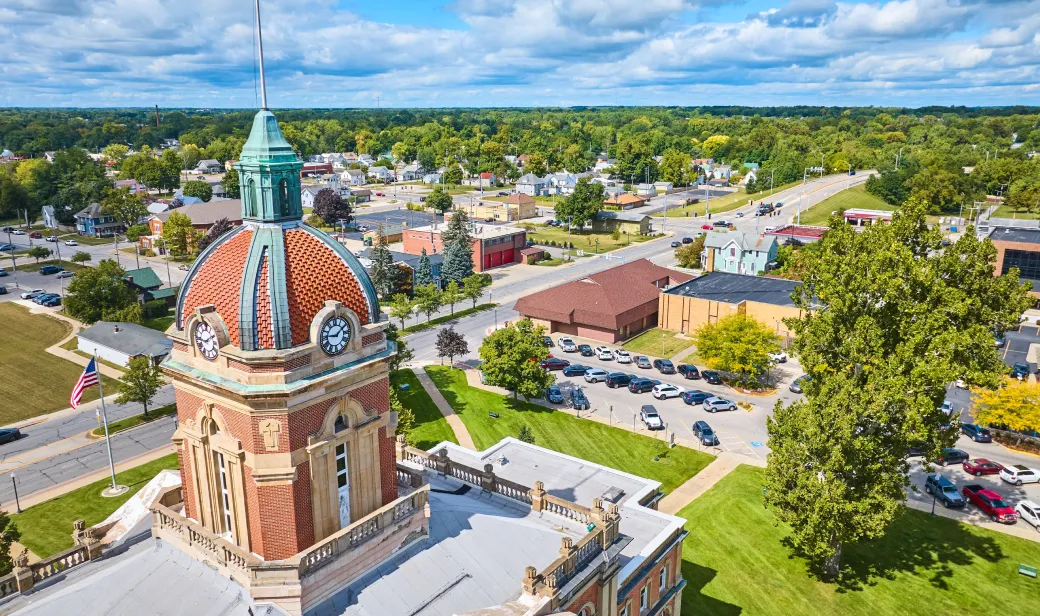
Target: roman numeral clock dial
x,y
335,334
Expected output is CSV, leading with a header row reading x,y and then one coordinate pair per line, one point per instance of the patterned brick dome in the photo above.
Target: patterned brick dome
x,y
268,281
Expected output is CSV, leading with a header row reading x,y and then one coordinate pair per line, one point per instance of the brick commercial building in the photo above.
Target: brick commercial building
x,y
686,307
611,305
1018,247
493,246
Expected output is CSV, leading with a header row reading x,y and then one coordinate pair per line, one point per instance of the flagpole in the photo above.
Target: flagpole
x,y
115,489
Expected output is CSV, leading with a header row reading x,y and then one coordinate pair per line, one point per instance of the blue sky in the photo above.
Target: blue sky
x,y
429,53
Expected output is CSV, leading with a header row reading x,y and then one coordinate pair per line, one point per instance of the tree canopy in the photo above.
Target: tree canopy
x,y
96,291
581,206
511,358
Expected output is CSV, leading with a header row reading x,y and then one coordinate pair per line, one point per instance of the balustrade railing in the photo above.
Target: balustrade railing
x,y
566,509
8,585
59,562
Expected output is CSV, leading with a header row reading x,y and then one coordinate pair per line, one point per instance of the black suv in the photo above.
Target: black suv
x,y
579,400
710,376
618,379
585,350
641,385
943,490
688,371
952,456
705,434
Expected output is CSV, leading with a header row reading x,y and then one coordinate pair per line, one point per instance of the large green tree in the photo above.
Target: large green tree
x,y
737,344
581,206
96,291
384,273
126,207
178,233
140,383
511,357
458,249
439,200
199,189
889,318
424,270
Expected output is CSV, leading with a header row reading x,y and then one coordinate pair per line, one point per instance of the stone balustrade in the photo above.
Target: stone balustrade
x,y
25,576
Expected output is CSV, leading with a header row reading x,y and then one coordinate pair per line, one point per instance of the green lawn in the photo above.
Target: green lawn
x,y
459,313
47,528
560,431
132,422
657,342
32,266
550,262
735,563
430,426
87,240
35,382
721,205
857,196
586,240
159,323
1006,211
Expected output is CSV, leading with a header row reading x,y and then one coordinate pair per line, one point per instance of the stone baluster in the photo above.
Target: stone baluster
x,y
538,496
443,462
400,444
530,580
568,551
487,480
610,529
23,575
81,535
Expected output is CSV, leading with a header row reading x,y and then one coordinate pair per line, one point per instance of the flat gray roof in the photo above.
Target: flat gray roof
x,y
129,338
1015,234
736,288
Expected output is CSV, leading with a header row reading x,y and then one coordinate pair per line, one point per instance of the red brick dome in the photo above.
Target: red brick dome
x,y
267,283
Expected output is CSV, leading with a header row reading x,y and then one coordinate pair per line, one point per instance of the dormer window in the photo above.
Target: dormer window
x,y
341,424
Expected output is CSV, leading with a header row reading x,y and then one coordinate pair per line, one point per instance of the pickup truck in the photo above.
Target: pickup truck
x,y
991,503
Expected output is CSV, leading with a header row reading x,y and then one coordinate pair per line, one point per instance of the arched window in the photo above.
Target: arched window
x,y
251,199
283,198
341,424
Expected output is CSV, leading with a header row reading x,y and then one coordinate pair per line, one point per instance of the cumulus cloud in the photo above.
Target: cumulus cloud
x,y
512,52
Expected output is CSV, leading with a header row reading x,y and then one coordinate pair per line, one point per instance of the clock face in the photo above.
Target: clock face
x,y
335,334
206,341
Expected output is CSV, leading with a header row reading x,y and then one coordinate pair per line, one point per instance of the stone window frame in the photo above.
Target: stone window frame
x,y
206,314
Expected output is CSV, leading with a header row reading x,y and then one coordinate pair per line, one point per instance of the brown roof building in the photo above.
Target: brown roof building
x,y
611,305
624,201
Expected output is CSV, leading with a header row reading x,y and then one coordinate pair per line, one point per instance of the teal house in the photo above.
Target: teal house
x,y
739,253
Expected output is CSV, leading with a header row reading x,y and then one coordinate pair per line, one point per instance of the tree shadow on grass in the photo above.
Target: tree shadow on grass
x,y
694,601
917,544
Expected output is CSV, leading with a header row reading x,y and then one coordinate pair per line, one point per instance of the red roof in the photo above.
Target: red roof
x,y
608,299
485,175
799,231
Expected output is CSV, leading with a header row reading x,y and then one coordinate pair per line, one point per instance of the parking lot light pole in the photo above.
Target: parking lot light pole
x,y
14,484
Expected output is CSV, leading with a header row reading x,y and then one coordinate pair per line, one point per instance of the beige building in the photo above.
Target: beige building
x,y
516,207
717,295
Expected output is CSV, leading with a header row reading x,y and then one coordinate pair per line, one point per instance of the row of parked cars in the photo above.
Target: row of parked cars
x,y
990,502
43,298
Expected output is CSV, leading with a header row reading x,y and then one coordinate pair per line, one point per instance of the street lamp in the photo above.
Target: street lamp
x,y
14,484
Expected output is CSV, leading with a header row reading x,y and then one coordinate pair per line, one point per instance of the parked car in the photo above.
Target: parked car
x,y
1019,474
47,270
9,435
976,433
3,272
622,356
1029,512
796,386
778,357
707,227
579,400
604,353
3,290
575,370
51,302
695,396
943,490
664,366
36,235
952,456
567,345
714,404
710,376
7,247
39,299
18,232
676,244
71,243
980,467
32,294
688,371
554,394
991,503
52,238
618,379
650,417
666,390
7,230
548,341
640,385
947,407
595,375
705,434
586,350
555,363
1020,371
642,361
687,240
65,274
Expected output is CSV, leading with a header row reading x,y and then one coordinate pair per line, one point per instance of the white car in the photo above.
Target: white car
x,y
779,357
595,375
947,407
622,356
18,232
667,390
961,384
1019,474
1030,513
32,294
651,418
567,345
604,353
71,243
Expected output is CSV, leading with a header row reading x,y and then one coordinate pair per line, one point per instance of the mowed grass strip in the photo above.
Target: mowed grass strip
x,y
34,381
735,563
855,197
658,343
565,433
132,422
430,426
47,528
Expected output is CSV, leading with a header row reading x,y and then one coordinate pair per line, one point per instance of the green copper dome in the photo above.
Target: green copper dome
x,y
269,173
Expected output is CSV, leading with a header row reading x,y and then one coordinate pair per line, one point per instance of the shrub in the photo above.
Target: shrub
x,y
149,253
155,309
315,221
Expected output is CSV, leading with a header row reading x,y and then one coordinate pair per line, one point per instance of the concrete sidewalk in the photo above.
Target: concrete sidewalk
x,y
461,433
700,483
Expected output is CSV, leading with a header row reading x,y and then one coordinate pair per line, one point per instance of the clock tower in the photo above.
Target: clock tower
x,y
280,366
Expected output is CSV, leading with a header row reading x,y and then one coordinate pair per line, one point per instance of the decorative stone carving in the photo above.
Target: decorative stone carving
x,y
270,429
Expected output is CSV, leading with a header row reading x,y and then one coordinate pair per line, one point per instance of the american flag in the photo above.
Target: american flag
x,y
89,378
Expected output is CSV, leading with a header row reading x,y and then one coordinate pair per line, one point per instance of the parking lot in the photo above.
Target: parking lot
x,y
17,282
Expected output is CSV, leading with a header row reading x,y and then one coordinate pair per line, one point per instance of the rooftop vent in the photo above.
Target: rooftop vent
x,y
613,495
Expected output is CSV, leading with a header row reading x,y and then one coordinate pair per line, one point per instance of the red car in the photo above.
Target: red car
x,y
36,235
991,503
379,194
554,363
981,466
707,227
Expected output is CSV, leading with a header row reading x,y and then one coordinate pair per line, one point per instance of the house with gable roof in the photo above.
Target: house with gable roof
x,y
737,252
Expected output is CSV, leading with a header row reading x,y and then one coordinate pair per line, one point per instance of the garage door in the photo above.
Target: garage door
x,y
496,259
487,261
507,256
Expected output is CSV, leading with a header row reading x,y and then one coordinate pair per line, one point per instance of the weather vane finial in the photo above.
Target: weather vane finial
x,y
260,52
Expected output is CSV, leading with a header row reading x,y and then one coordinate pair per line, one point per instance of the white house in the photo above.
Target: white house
x,y
381,173
531,184
722,172
333,181
663,187
209,165
352,177
410,172
308,194
646,190
365,159
562,183
751,175
120,342
432,178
